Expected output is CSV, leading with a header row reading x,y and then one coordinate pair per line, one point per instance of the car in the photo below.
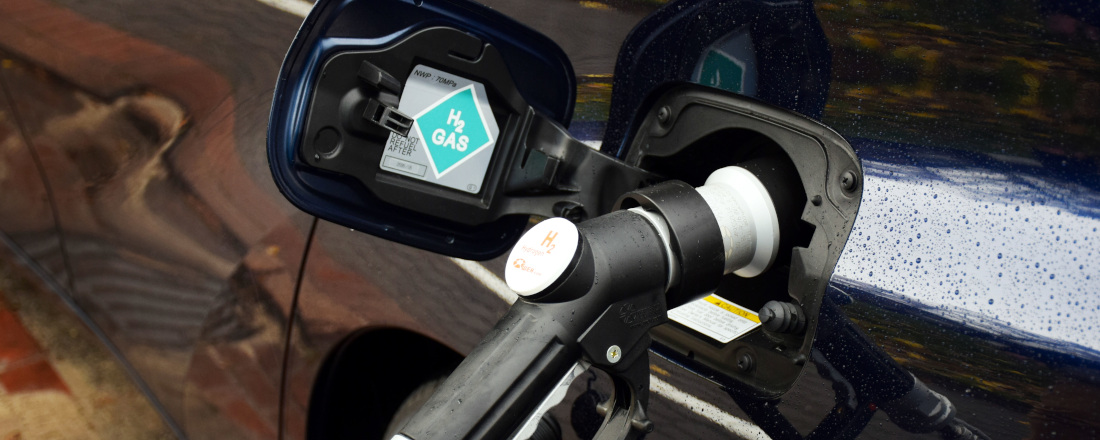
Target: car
x,y
248,227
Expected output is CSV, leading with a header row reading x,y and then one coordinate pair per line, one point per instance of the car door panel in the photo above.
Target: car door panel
x,y
28,219
187,254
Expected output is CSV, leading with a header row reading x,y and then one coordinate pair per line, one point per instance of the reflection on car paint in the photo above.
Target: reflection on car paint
x,y
186,257
964,75
999,247
977,75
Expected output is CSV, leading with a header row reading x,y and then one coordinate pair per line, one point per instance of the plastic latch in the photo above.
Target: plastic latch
x,y
388,117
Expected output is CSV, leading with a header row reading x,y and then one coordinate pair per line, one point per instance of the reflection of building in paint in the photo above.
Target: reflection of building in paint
x,y
729,64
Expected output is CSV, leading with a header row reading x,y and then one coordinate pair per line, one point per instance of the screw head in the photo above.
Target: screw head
x,y
572,211
614,354
745,362
848,181
663,114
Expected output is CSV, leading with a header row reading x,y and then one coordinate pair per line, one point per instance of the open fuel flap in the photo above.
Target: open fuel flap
x,y
438,124
753,334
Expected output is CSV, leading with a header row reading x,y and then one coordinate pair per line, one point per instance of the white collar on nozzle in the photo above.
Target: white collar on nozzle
x,y
747,218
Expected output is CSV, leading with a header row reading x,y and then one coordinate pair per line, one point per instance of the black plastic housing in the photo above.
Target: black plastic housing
x,y
814,179
341,97
536,167
534,69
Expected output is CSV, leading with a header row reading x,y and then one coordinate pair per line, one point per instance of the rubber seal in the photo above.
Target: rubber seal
x,y
690,220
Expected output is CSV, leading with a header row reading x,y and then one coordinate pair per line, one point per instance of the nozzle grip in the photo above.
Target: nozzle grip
x,y
606,299
503,379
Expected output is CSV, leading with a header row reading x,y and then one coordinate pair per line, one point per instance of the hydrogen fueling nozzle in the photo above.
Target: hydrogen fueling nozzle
x,y
732,203
590,293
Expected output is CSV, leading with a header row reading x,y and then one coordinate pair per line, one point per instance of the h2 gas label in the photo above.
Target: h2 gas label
x,y
454,132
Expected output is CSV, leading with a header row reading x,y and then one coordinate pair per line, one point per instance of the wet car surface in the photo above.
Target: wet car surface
x,y
56,379
135,134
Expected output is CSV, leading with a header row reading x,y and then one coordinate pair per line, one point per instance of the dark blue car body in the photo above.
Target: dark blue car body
x,y
974,260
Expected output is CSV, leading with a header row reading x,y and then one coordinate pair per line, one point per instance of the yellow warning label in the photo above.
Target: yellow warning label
x,y
733,308
717,318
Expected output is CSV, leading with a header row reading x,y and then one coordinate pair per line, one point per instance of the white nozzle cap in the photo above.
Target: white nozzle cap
x,y
746,216
541,256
